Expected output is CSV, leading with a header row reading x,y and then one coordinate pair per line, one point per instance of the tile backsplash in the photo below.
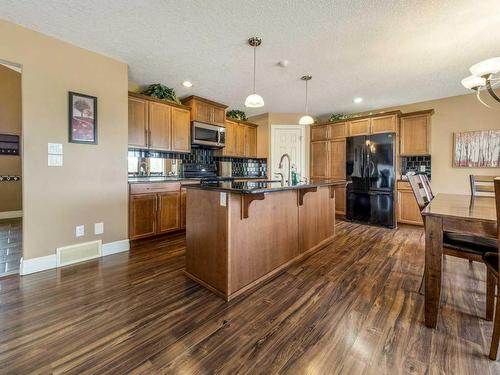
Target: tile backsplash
x,y
416,164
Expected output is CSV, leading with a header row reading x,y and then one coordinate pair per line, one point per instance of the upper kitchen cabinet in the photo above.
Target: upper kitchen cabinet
x,y
157,124
359,127
415,133
241,139
329,131
207,111
384,124
250,140
374,124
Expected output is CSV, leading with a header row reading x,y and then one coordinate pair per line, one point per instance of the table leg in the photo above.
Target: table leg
x,y
433,268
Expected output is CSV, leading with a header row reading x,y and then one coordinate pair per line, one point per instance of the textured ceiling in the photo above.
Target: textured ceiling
x,y
388,52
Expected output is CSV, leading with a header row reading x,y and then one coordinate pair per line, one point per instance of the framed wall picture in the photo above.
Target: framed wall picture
x,y
82,118
477,149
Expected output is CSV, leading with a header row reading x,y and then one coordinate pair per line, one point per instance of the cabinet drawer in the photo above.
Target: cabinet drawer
x,y
156,187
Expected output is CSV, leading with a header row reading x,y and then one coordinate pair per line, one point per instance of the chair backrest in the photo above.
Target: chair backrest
x,y
482,185
496,185
427,186
422,195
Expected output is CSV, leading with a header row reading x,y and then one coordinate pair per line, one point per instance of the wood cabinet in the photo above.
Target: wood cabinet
x,y
359,127
183,207
207,111
142,215
320,132
158,125
415,133
230,149
319,159
384,124
338,130
408,210
241,139
138,110
337,151
250,141
340,200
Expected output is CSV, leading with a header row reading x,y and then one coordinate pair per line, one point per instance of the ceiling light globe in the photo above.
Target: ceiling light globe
x,y
486,67
473,82
254,101
306,120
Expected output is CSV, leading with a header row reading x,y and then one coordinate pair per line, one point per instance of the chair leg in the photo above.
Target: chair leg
x,y
490,294
496,334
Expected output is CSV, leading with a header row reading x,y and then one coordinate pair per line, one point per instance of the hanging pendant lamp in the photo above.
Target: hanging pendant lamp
x,y
254,100
306,119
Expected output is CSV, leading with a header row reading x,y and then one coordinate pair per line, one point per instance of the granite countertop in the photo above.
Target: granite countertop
x,y
146,179
258,187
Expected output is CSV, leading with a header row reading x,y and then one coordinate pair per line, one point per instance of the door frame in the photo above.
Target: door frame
x,y
305,169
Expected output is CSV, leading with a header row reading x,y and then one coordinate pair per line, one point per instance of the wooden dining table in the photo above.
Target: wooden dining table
x,y
451,213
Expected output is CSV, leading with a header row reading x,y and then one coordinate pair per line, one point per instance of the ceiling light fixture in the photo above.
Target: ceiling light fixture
x,y
483,78
187,84
306,119
357,100
254,100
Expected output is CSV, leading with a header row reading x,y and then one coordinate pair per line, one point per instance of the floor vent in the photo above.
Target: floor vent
x,y
78,253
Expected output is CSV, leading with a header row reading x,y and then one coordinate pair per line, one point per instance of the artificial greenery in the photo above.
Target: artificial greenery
x,y
340,116
236,114
162,92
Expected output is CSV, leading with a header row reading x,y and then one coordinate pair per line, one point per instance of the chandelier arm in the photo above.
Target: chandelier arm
x,y
491,91
478,96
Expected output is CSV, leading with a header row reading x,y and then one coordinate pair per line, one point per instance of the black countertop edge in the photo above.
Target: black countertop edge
x,y
147,180
260,190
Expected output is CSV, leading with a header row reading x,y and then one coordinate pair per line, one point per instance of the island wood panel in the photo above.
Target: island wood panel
x,y
207,258
267,239
138,111
160,123
316,219
181,132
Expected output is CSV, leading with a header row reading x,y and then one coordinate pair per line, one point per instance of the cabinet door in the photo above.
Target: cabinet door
x,y
250,141
359,127
319,159
203,112
181,135
320,133
337,151
160,122
218,116
338,130
168,211
183,208
340,203
142,215
408,210
240,140
230,148
414,135
384,124
137,122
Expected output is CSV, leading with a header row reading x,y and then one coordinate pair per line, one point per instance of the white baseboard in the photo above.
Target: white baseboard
x,y
11,214
50,261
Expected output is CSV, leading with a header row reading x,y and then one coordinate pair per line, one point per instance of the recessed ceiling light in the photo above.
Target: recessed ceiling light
x,y
357,100
187,84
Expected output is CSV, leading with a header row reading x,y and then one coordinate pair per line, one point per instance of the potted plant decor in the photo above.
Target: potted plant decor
x,y
159,91
237,115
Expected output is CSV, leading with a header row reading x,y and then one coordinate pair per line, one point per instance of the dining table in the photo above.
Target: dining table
x,y
451,213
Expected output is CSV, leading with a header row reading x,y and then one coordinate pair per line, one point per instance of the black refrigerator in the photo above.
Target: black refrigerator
x,y
371,171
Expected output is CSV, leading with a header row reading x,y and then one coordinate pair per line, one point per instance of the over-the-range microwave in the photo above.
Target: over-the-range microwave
x,y
206,135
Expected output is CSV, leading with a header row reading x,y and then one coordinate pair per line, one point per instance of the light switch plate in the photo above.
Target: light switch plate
x,y
55,160
98,228
80,230
223,199
55,148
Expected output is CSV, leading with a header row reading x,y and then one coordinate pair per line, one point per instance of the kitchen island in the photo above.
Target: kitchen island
x,y
241,234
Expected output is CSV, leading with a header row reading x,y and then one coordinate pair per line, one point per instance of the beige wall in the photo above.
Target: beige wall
x,y
454,114
92,185
10,123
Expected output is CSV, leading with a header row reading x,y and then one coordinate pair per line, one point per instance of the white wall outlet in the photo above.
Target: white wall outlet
x,y
223,199
55,148
80,230
55,160
98,228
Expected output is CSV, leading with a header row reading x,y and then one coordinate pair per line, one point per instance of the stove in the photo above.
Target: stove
x,y
199,170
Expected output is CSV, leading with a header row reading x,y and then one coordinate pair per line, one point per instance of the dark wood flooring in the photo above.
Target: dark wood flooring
x,y
352,308
10,246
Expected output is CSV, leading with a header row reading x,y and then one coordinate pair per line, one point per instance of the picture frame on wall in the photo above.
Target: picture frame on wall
x,y
476,149
82,118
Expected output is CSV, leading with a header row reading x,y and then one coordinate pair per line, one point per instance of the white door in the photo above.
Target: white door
x,y
287,139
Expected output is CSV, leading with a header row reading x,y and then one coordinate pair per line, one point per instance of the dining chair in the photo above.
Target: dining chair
x,y
460,245
492,266
482,185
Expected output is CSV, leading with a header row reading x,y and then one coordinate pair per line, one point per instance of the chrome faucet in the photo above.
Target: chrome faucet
x,y
282,178
289,182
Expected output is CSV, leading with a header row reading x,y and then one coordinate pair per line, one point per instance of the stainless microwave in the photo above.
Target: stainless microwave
x,y
210,136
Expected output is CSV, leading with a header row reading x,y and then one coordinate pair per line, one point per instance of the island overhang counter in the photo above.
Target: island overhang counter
x,y
241,234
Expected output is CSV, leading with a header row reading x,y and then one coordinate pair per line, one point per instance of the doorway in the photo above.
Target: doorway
x,y
10,169
288,139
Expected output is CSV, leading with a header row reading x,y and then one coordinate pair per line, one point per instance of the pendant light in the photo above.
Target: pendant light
x,y
306,119
254,100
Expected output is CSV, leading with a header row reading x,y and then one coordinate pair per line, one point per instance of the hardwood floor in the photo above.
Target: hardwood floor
x,y
10,246
352,308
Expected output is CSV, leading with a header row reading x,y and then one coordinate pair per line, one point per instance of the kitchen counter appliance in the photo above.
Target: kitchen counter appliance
x,y
208,136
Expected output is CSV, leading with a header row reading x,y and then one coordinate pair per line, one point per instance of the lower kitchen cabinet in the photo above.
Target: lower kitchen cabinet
x,y
408,210
340,202
168,211
142,215
183,208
